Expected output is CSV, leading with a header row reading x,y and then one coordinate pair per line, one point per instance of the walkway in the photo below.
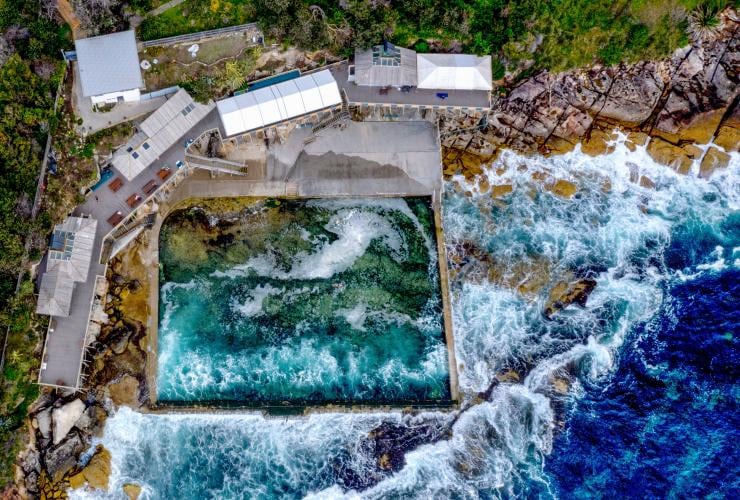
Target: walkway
x,y
64,349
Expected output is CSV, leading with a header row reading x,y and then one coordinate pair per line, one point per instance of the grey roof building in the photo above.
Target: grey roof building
x,y
385,65
159,132
70,254
108,63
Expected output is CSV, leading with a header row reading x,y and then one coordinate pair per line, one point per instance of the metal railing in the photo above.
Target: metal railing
x,y
200,35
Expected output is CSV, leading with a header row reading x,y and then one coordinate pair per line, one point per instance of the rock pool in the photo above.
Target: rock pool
x,y
301,301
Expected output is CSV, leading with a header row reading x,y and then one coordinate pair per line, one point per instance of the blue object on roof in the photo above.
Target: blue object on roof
x,y
272,80
443,95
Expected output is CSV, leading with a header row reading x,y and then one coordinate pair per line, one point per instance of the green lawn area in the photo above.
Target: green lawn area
x,y
196,15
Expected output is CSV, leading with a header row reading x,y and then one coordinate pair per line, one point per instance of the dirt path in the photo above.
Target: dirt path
x,y
68,14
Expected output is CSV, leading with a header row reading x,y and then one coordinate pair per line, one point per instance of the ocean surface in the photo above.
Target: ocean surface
x,y
632,395
304,302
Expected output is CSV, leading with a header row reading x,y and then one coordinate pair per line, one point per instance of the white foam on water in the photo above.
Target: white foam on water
x,y
497,444
253,305
355,316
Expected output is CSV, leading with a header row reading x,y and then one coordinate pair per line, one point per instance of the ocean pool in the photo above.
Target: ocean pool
x,y
301,302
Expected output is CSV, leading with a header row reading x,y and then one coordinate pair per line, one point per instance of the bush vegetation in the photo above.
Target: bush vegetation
x,y
551,34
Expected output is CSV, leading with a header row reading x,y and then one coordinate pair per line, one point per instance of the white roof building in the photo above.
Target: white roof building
x,y
159,132
70,254
276,103
109,67
454,72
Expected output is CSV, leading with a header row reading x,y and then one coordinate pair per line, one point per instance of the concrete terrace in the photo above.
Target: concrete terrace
x,y
64,349
348,159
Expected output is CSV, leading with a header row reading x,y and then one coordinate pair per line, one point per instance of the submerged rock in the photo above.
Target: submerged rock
x,y
565,293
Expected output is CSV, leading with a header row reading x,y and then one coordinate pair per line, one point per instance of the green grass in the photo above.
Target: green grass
x,y
196,15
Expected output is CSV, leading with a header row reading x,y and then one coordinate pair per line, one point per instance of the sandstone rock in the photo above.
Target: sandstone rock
x,y
565,293
499,190
97,471
596,144
125,391
76,481
563,188
65,417
667,154
132,491
636,139
713,159
647,182
728,135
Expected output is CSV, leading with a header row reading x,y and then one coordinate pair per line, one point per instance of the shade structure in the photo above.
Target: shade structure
x,y
454,72
276,103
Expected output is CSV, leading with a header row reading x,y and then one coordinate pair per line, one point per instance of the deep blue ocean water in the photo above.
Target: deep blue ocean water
x,y
667,422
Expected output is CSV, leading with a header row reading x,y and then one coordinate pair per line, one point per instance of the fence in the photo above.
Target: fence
x,y
194,37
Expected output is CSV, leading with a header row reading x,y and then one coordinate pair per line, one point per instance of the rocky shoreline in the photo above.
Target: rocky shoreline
x,y
667,106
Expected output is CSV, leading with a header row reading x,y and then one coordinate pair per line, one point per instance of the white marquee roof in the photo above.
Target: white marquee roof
x,y
279,102
454,72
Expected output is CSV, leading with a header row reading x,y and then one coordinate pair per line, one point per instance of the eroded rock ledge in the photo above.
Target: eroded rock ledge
x,y
689,98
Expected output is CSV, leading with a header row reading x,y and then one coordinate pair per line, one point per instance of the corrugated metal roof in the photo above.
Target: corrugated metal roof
x,y
69,262
454,72
159,132
279,102
370,71
108,63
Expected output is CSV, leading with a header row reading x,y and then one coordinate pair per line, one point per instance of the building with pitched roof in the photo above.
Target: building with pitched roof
x,y
160,131
454,72
385,65
277,103
109,68
68,262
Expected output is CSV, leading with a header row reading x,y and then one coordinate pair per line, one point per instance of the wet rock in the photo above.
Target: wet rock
x,y
665,153
508,376
97,471
499,190
635,139
132,491
646,182
713,159
64,418
562,188
565,293
596,144
125,391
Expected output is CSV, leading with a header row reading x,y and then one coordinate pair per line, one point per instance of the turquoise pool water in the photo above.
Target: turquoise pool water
x,y
301,302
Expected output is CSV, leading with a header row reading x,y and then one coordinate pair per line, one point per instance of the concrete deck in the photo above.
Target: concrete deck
x,y
421,98
65,343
